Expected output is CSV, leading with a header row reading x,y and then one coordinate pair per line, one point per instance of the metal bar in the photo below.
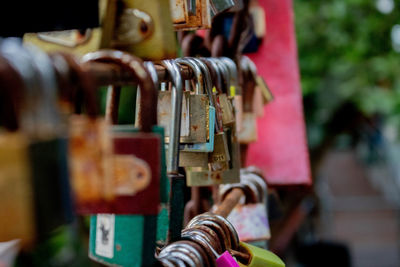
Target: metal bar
x,y
229,203
107,74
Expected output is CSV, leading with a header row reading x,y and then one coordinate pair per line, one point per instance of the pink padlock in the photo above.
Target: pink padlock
x,y
226,260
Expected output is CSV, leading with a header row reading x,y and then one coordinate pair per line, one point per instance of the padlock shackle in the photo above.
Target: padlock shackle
x,y
148,99
11,88
207,78
50,116
198,75
176,106
215,77
224,74
233,70
75,83
39,114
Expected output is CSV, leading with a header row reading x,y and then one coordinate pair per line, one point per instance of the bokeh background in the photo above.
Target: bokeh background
x,y
349,57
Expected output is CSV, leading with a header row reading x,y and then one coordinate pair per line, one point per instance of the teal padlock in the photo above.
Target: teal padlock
x,y
122,240
259,257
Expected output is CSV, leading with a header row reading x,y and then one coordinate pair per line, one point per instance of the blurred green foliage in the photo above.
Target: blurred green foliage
x,y
346,55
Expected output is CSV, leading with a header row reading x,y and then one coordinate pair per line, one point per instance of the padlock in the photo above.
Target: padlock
x,y
228,117
208,113
177,180
138,27
221,170
259,257
16,206
250,219
248,133
136,176
194,125
90,147
219,159
231,175
235,91
41,122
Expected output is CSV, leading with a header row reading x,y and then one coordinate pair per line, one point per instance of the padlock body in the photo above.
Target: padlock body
x,y
90,160
260,257
251,222
17,219
122,240
146,147
248,132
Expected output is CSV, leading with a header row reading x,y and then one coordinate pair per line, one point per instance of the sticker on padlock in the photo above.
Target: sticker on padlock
x,y
251,222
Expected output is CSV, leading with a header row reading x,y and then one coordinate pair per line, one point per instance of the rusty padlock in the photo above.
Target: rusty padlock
x,y
136,178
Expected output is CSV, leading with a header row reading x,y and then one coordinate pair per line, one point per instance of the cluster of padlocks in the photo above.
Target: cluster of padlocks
x,y
193,116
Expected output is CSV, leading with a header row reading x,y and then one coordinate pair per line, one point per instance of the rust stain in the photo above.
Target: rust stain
x,y
195,127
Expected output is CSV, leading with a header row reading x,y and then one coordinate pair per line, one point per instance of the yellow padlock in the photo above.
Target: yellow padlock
x,y
259,257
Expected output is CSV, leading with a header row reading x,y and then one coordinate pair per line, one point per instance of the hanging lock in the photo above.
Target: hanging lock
x,y
259,257
136,176
208,112
90,147
194,121
248,132
41,122
235,91
177,180
250,219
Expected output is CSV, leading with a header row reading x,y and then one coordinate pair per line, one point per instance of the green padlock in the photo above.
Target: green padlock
x,y
122,240
259,257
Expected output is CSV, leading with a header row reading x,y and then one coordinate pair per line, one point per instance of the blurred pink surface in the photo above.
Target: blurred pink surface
x,y
281,151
